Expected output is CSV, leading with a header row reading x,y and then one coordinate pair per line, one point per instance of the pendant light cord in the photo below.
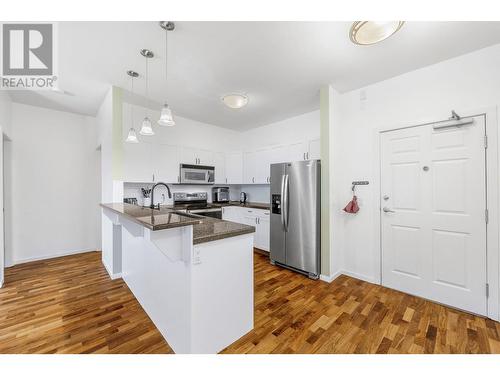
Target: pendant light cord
x,y
147,76
166,59
131,105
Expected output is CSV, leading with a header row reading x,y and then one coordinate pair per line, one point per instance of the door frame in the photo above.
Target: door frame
x,y
492,196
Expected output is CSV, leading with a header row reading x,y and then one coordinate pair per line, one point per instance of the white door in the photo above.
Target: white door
x,y
166,163
433,206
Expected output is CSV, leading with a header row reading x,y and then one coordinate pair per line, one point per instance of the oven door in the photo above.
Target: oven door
x,y
209,212
197,174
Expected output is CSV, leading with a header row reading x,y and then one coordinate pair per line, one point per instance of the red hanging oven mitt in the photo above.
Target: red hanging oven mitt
x,y
352,207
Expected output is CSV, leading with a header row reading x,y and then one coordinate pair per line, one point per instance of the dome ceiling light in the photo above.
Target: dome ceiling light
x,y
371,32
235,101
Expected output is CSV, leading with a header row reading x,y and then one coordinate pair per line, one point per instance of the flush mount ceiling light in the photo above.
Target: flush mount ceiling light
x,y
132,136
371,32
235,101
166,117
146,128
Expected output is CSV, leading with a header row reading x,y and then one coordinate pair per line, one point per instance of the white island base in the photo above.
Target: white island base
x,y
200,297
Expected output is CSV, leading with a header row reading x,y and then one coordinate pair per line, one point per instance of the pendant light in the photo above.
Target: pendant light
x,y
132,136
146,128
166,117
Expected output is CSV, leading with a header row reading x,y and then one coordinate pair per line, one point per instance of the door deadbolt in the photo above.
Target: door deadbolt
x,y
385,197
425,168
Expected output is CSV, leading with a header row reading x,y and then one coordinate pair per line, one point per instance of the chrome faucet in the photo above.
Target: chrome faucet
x,y
152,206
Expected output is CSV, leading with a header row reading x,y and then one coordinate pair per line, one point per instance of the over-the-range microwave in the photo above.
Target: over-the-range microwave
x,y
197,174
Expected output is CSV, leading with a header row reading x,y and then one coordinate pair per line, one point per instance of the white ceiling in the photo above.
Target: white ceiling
x,y
280,65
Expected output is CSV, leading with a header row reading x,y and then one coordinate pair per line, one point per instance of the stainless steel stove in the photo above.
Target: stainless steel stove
x,y
196,203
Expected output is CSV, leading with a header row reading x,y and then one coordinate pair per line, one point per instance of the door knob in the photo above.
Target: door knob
x,y
385,209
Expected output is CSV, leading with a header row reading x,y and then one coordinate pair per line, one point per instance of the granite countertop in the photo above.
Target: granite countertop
x,y
205,229
164,218
212,229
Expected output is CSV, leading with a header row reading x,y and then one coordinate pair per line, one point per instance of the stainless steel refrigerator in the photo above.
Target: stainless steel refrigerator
x,y
296,216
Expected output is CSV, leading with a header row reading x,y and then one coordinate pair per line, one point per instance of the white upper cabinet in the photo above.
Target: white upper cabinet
x,y
234,168
165,163
298,151
220,168
205,157
314,150
137,162
263,166
278,154
190,155
250,161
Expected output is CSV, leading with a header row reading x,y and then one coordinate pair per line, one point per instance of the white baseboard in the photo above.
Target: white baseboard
x,y
56,255
113,276
330,278
360,277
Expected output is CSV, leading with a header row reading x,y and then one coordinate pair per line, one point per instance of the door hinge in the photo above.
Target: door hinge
x,y
486,216
487,290
485,141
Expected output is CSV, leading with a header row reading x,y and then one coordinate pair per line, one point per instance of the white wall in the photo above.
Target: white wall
x,y
470,81
109,188
53,156
5,133
6,113
300,128
186,132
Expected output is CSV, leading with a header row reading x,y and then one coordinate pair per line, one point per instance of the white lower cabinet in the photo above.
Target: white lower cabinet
x,y
257,218
262,232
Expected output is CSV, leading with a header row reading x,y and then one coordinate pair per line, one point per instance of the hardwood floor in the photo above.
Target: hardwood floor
x,y
69,305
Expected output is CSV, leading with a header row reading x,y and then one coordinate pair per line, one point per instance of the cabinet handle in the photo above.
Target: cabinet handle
x,y
307,155
226,180
253,179
153,177
304,156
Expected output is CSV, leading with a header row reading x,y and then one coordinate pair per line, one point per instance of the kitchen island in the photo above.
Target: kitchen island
x,y
193,275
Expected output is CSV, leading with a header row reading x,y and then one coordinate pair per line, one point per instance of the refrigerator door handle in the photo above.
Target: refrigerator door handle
x,y
285,203
282,198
